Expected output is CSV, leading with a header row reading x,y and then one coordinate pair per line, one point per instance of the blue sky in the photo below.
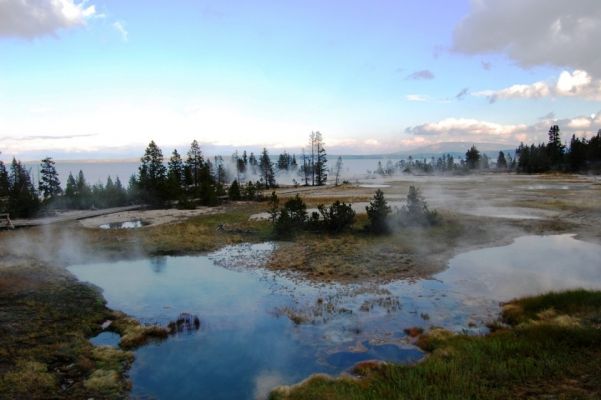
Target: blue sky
x,y
102,78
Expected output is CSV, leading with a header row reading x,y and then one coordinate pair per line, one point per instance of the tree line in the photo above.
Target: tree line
x,y
580,155
184,182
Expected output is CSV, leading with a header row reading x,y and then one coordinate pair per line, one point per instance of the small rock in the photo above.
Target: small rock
x,y
106,324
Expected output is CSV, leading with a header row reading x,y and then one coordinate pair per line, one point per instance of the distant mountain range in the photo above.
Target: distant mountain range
x,y
456,149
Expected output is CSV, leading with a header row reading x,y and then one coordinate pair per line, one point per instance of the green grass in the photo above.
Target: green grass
x,y
575,303
536,360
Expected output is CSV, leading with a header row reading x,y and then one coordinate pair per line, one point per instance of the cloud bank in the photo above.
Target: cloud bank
x,y
534,32
474,130
569,84
30,19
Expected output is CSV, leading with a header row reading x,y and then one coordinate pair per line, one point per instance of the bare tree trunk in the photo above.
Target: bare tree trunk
x,y
338,169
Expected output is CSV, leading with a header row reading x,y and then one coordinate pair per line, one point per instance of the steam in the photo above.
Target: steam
x,y
59,245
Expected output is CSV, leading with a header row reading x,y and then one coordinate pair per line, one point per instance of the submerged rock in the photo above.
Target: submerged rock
x,y
184,322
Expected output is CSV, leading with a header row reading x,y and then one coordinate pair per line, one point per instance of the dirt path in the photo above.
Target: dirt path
x,y
71,216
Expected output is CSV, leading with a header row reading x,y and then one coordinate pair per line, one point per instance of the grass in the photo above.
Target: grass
x,y
46,317
535,359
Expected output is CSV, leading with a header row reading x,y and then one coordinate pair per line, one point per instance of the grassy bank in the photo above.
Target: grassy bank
x,y
45,319
551,348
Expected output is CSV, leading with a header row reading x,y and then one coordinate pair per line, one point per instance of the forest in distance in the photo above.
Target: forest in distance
x,y
198,180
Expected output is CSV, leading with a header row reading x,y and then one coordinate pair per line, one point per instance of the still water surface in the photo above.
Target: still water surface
x,y
247,344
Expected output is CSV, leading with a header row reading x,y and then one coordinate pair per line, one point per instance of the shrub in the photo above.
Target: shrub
x,y
292,217
337,217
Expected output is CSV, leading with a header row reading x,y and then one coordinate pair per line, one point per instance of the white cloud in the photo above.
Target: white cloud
x,y
569,84
416,97
473,130
35,18
120,27
534,32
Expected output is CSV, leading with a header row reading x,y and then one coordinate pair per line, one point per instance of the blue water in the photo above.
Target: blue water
x,y
106,339
247,344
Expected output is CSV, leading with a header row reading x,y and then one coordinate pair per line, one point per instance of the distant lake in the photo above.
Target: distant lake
x,y
353,168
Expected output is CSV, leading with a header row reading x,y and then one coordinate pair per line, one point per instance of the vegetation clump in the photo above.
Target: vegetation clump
x,y
293,217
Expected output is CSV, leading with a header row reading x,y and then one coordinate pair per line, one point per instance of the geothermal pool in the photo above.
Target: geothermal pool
x,y
260,329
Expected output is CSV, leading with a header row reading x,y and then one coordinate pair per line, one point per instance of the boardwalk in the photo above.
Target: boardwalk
x,y
71,216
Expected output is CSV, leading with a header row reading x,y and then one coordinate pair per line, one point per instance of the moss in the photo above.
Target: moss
x,y
107,383
133,333
47,317
28,379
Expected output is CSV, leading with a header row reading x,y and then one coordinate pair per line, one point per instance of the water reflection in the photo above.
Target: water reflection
x,y
248,341
530,265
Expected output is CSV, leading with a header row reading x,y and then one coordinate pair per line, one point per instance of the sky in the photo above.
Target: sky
x,y
101,78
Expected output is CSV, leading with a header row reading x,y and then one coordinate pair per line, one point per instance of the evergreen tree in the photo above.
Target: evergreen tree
x,y
152,174
50,185
84,192
293,164
321,171
274,204
416,211
194,165
4,188
305,169
252,161
501,161
472,158
266,168
555,148
577,153
233,192
71,192
176,176
22,197
283,163
377,213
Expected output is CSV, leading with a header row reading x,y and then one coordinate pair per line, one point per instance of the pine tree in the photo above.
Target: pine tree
x,y
84,192
4,188
194,164
175,175
501,161
152,174
233,193
22,197
377,213
50,185
472,158
321,171
555,148
266,168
